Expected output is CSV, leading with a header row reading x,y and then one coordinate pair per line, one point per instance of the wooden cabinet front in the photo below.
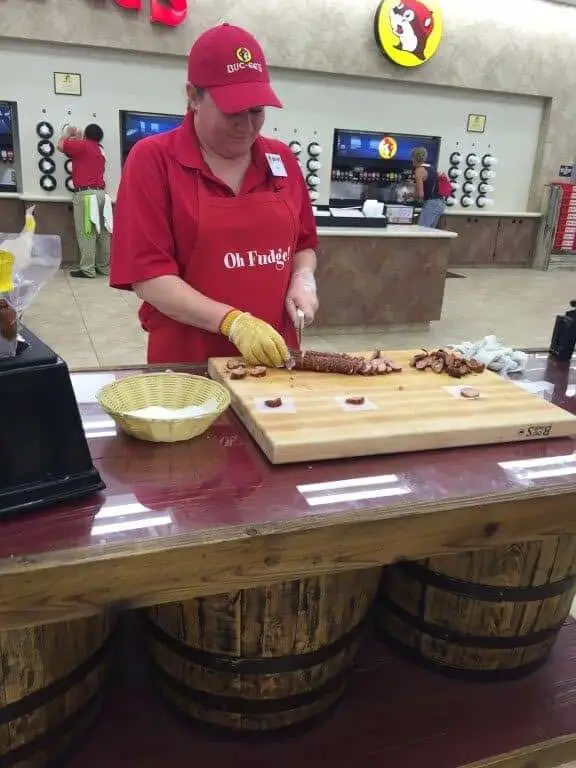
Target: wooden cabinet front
x,y
11,215
476,241
516,240
52,218
56,218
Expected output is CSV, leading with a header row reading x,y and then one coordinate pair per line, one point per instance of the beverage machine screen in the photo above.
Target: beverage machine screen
x,y
7,142
135,126
5,119
376,164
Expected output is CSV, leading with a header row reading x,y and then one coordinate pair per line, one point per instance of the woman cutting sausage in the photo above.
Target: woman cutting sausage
x,y
214,229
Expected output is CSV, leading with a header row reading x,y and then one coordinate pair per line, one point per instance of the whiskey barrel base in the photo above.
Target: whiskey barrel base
x,y
297,641
220,734
481,616
460,673
52,681
53,749
312,705
185,705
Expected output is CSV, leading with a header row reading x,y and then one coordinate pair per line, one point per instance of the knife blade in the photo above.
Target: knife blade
x,y
299,325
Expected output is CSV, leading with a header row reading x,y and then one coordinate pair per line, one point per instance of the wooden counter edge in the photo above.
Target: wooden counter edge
x,y
554,753
68,585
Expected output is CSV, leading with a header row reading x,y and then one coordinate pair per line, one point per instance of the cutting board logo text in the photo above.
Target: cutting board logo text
x,y
536,430
169,13
273,258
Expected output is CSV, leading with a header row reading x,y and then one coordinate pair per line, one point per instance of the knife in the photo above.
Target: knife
x,y
299,325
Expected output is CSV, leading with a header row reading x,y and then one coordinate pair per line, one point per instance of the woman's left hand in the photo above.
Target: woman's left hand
x,y
302,296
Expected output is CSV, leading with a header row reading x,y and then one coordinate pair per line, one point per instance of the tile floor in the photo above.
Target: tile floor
x,y
91,325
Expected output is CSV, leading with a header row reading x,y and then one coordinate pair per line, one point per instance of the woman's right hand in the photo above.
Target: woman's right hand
x,y
257,341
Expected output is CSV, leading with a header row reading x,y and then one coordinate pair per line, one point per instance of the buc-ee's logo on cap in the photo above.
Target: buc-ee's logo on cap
x,y
244,60
408,32
244,55
387,148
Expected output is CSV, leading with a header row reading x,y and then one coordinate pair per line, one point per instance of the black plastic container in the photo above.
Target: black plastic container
x,y
564,335
44,456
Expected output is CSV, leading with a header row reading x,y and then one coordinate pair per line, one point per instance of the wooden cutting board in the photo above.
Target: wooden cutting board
x,y
408,411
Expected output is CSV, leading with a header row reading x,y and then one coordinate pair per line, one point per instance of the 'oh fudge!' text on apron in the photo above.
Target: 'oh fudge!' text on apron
x,y
278,259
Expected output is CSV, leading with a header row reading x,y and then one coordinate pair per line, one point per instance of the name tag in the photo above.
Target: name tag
x,y
276,165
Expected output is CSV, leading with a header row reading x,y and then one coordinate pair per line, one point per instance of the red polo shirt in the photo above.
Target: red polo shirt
x,y
156,215
88,162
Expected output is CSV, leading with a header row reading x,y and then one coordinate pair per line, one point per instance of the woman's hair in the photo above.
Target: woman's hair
x,y
419,155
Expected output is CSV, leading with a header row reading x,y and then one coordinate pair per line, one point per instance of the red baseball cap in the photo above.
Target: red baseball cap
x,y
229,63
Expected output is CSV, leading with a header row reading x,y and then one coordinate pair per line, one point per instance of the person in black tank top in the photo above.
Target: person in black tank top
x,y
427,189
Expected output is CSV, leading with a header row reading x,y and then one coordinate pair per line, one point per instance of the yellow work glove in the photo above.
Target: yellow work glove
x,y
257,342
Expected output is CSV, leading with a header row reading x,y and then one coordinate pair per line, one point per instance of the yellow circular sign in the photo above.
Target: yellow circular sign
x,y
244,55
409,31
388,148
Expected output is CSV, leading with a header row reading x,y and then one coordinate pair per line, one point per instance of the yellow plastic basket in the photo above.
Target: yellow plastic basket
x,y
168,390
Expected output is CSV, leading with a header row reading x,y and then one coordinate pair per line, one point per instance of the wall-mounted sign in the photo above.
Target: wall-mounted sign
x,y
67,84
565,171
476,124
408,31
169,13
388,148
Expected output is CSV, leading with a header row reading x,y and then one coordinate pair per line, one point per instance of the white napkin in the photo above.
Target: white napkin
x,y
94,212
494,354
107,214
159,413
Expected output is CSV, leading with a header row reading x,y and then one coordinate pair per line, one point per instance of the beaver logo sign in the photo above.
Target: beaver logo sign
x,y
388,148
408,31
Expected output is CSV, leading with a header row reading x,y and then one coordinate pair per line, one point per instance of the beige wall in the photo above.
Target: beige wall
x,y
515,46
314,105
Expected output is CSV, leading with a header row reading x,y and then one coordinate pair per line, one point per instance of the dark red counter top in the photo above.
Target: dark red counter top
x,y
219,491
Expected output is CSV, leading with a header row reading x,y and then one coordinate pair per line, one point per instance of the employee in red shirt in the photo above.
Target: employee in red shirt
x,y
214,229
92,207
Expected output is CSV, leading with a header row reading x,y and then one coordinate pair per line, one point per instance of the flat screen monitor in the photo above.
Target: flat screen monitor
x,y
380,147
6,122
135,126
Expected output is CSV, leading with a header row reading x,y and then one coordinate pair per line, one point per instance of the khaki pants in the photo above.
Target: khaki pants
x,y
94,248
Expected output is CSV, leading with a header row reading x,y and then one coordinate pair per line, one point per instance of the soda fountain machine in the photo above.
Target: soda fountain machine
x,y
138,125
376,165
8,140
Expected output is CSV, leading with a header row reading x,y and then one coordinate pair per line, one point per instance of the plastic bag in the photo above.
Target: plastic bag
x,y
27,262
44,263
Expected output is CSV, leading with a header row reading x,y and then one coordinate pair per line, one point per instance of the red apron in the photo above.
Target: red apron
x,y
242,257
